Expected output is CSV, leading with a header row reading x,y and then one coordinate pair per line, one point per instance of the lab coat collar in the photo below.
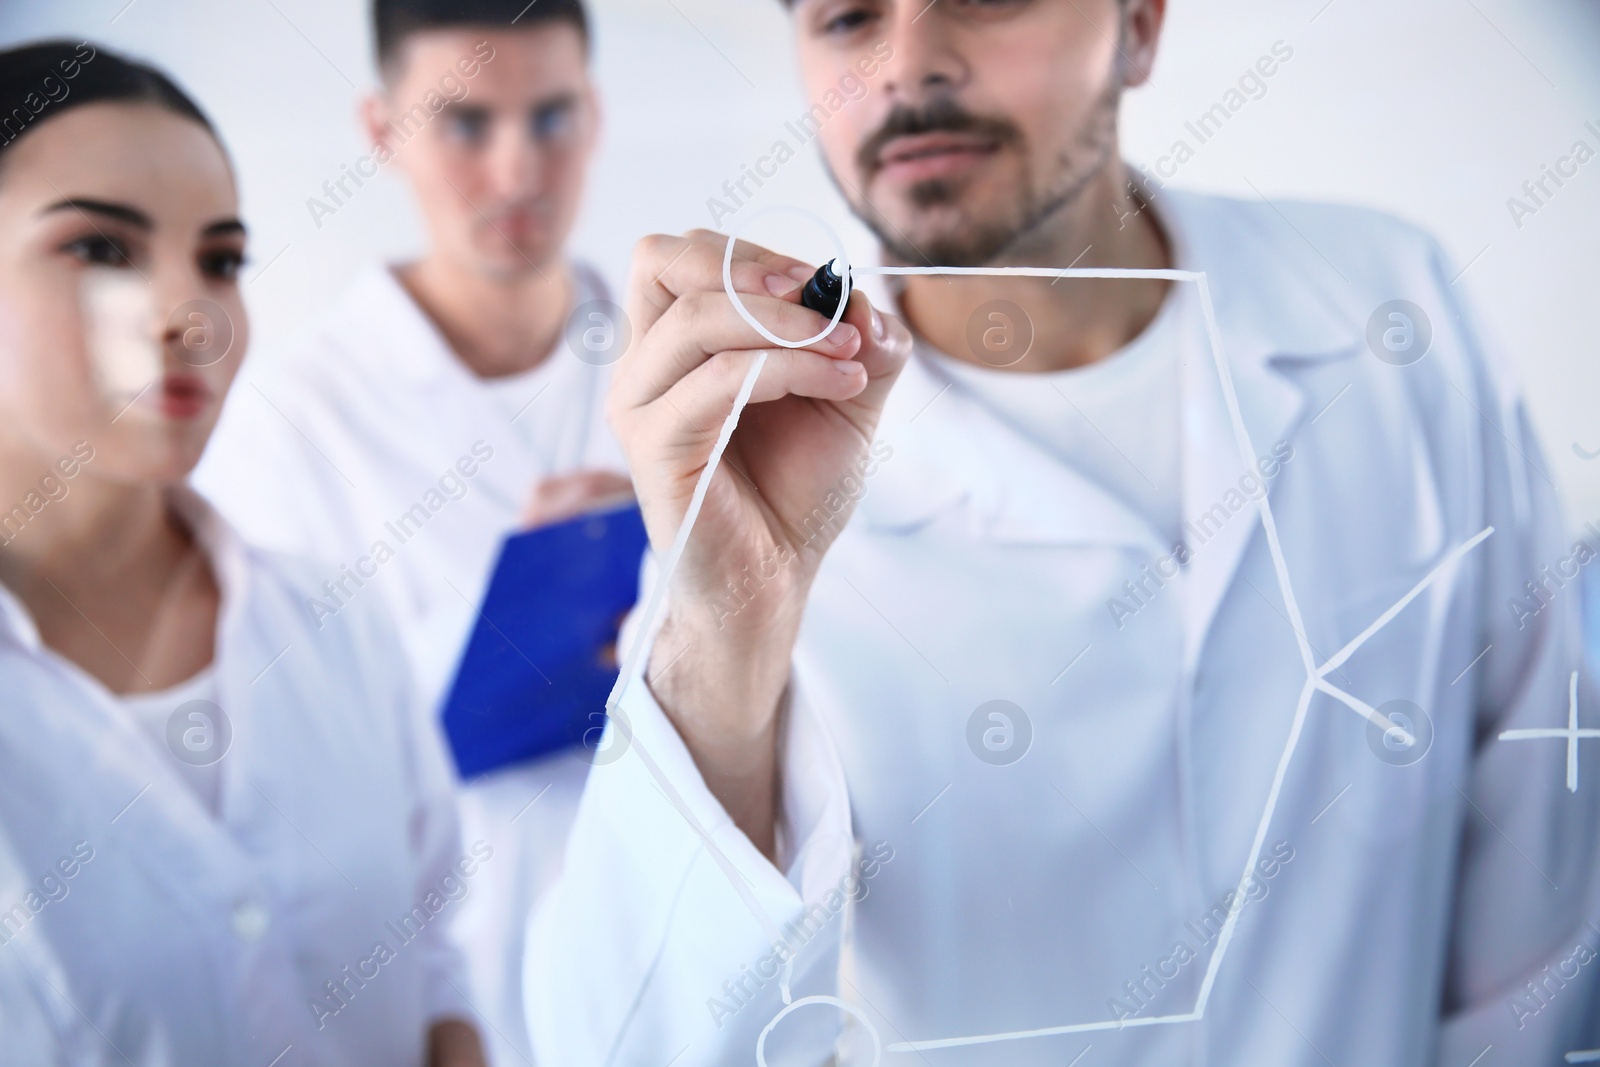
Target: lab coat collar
x,y
171,802
382,325
378,323
159,827
951,450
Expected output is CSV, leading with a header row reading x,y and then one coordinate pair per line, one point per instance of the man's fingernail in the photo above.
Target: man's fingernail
x,y
842,335
879,327
778,285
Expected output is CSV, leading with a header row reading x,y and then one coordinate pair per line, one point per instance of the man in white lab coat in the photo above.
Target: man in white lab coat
x,y
450,400
1078,676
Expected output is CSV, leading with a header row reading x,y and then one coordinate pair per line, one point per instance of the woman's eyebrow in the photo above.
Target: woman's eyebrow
x,y
223,226
122,212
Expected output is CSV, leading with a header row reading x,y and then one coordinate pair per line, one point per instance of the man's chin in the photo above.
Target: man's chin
x,y
940,224
953,242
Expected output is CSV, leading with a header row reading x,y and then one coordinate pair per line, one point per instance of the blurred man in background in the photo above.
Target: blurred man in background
x,y
442,405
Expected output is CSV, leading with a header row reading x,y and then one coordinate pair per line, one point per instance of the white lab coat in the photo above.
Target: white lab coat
x,y
135,923
321,452
34,1008
1393,912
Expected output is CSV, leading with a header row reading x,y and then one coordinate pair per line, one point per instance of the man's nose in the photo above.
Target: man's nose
x,y
514,163
927,59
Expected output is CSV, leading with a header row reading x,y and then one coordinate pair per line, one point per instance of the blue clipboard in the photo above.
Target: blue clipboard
x,y
534,675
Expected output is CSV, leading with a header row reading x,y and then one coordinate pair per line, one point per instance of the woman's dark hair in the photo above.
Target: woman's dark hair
x,y
39,81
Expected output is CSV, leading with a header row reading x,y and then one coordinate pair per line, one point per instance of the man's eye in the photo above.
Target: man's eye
x,y
847,21
469,126
99,250
223,265
552,122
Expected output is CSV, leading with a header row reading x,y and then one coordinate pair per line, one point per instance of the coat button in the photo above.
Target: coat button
x,y
249,920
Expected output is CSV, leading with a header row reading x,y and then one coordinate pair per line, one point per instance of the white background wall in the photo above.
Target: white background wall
x,y
1435,109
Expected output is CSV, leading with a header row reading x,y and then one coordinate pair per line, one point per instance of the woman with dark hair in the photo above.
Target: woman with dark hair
x,y
226,834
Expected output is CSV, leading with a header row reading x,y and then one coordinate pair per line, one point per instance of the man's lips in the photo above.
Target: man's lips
x,y
933,155
518,225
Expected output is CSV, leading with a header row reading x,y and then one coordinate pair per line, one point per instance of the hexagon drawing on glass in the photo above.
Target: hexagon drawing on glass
x,y
1406,738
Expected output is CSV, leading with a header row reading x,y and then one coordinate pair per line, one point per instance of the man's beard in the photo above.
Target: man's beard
x,y
975,242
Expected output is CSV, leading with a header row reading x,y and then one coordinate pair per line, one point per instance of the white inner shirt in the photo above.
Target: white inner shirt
x,y
550,406
198,732
1116,420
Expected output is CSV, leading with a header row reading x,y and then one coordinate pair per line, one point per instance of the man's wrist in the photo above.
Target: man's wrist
x,y
723,697
726,678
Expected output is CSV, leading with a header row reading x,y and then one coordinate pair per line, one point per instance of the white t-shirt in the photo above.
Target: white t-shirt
x,y
197,735
551,408
1116,420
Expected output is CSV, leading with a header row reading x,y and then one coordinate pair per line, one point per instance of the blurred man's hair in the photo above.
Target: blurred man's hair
x,y
393,21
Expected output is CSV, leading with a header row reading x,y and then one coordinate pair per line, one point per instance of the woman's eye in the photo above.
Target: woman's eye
x,y
98,250
222,265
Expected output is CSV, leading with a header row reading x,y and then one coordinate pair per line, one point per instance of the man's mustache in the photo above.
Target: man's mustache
x,y
942,115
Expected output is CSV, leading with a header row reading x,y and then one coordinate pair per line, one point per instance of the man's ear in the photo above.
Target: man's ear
x,y
375,120
1141,21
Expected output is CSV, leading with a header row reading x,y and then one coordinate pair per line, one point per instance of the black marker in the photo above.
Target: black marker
x,y
824,291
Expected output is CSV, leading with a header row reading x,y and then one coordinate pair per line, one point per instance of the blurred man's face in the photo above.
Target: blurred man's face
x,y
986,119
498,169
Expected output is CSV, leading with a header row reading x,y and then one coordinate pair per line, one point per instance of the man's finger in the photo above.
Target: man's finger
x,y
885,347
699,325
665,268
692,411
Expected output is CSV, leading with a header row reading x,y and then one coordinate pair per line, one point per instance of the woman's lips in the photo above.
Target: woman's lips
x,y
183,396
933,155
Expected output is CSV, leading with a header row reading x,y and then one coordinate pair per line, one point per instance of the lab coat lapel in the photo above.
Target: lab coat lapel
x,y
1216,475
210,854
125,783
1268,324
